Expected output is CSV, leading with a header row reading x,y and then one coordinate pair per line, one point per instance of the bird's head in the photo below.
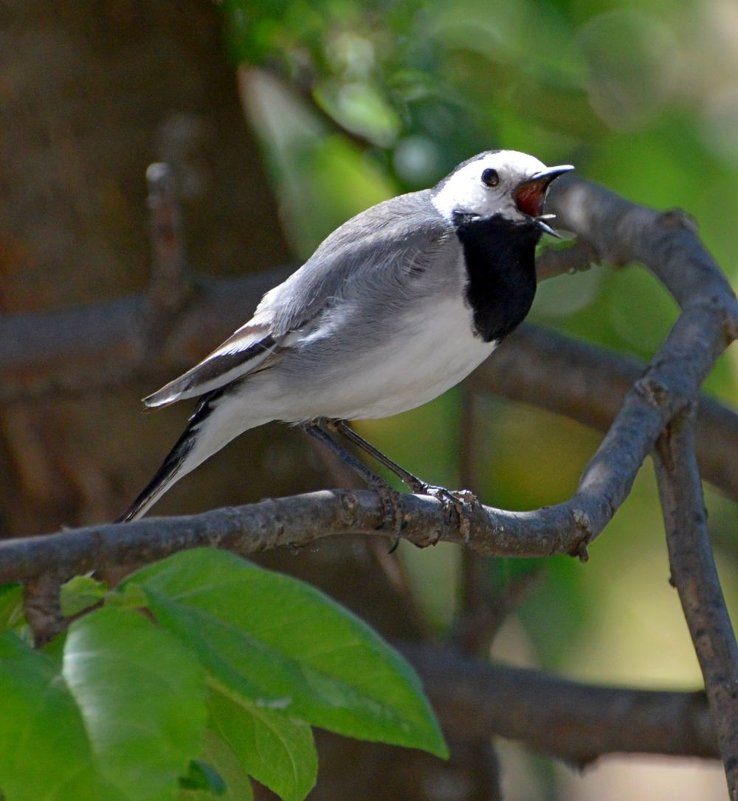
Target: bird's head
x,y
498,182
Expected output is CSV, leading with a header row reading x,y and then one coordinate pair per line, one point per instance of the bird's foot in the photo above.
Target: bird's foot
x,y
392,515
457,504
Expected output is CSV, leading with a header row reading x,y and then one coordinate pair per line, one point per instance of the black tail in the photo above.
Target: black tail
x,y
172,468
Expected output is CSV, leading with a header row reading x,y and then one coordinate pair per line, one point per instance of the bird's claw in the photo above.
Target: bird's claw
x,y
456,504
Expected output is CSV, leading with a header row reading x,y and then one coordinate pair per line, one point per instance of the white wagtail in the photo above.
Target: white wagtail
x,y
395,307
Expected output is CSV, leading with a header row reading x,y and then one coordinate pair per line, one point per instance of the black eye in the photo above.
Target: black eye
x,y
490,177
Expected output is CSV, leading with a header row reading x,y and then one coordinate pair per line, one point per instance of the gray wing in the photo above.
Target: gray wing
x,y
388,245
240,354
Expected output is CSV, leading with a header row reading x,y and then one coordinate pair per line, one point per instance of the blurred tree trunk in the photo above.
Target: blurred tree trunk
x,y
91,94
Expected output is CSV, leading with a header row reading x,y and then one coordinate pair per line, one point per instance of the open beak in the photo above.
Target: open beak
x,y
530,194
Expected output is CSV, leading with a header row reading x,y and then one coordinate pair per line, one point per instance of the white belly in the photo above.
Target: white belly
x,y
433,352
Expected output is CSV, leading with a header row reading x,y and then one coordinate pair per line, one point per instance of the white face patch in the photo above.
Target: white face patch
x,y
465,192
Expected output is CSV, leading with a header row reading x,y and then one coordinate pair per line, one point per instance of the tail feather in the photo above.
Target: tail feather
x,y
165,477
215,422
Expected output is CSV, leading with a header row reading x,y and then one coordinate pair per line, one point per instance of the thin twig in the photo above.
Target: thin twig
x,y
484,604
470,632
475,622
695,577
171,285
294,521
42,606
576,258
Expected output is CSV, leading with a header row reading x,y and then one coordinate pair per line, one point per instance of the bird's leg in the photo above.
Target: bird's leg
x,y
450,500
389,498
413,482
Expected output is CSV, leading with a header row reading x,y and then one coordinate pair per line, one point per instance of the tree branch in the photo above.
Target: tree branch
x,y
695,577
570,720
578,257
528,366
294,521
63,352
57,353
171,286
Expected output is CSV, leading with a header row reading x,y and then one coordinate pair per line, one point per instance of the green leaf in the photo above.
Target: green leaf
x,y
79,593
276,750
219,756
201,776
141,695
283,645
44,751
11,605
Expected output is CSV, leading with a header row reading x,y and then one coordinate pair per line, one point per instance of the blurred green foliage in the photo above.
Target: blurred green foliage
x,y
359,101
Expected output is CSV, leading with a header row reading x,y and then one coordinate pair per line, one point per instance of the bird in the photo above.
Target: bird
x,y
396,306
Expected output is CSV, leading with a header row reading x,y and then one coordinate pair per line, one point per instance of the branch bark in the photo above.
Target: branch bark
x,y
42,607
570,720
294,522
695,577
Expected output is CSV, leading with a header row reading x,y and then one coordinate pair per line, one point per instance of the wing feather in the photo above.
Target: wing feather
x,y
241,353
388,244
400,237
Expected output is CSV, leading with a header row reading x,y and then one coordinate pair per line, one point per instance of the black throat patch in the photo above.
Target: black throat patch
x,y
500,265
